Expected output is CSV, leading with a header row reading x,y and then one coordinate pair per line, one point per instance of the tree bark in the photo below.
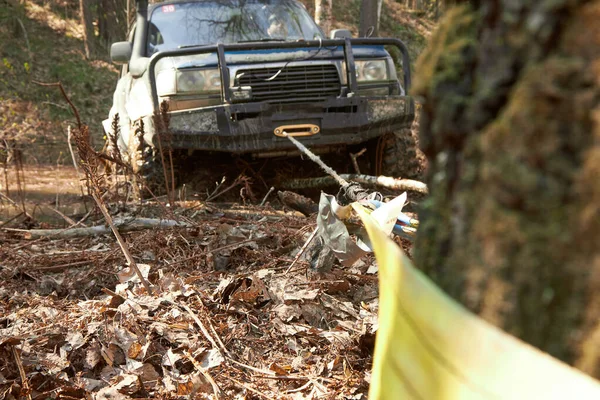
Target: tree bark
x,y
112,20
89,37
323,14
368,25
511,130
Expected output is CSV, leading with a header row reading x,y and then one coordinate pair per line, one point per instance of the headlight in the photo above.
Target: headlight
x,y
190,81
373,70
165,82
171,81
368,70
214,80
199,81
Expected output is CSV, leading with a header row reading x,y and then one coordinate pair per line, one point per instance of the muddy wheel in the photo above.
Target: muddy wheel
x,y
396,155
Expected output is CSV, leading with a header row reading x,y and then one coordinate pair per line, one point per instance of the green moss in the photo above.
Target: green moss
x,y
444,59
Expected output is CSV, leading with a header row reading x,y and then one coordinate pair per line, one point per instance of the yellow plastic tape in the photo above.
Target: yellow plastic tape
x,y
429,347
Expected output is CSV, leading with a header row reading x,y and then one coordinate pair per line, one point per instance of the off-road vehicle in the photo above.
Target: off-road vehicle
x,y
236,74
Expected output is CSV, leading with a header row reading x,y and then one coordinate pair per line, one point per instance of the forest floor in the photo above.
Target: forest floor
x,y
228,317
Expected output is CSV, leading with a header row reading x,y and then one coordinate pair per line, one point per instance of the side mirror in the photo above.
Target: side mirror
x,y
120,52
340,34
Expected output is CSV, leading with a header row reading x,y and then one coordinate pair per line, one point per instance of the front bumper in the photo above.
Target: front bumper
x,y
249,128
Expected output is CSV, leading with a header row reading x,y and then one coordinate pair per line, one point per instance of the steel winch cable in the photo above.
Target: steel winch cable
x,y
350,191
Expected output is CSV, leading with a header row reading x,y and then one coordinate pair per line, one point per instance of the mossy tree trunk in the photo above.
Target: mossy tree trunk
x,y
511,130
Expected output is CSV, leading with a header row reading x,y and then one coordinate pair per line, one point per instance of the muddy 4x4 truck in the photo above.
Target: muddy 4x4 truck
x,y
235,75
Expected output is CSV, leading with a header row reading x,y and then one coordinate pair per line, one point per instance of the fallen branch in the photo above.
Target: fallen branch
x,y
368,180
123,225
298,202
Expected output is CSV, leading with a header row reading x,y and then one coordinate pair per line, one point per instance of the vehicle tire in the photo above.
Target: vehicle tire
x,y
396,155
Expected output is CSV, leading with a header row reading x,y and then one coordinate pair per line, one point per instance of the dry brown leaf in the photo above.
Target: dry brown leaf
x,y
120,388
340,309
251,291
279,370
288,329
338,337
195,383
213,358
113,355
292,294
135,349
288,312
52,362
148,375
92,356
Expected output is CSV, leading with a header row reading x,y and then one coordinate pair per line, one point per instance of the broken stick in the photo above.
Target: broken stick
x,y
367,180
123,225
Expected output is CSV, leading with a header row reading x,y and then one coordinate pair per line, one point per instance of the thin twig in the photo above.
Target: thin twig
x,y
12,219
11,201
262,203
203,329
57,268
302,250
130,261
69,134
219,184
26,42
55,105
24,380
301,388
367,180
212,328
354,157
62,89
268,374
204,372
63,216
237,181
5,168
248,388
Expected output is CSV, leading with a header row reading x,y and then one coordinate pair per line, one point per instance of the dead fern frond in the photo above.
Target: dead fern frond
x,y
161,122
113,137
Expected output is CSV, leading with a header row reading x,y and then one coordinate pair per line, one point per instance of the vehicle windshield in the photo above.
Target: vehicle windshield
x,y
228,21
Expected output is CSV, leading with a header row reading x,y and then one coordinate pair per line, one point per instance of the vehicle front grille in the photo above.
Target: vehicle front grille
x,y
305,83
